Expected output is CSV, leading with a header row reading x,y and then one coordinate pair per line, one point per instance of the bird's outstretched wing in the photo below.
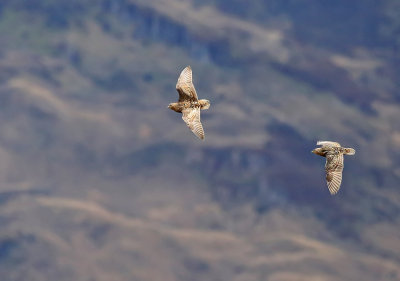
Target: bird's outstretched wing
x,y
185,86
191,116
334,169
328,143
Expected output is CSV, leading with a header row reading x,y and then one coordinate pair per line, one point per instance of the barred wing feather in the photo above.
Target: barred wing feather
x,y
334,169
185,86
328,143
191,116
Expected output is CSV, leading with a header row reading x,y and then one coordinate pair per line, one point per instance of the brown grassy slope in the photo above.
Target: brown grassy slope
x,y
73,238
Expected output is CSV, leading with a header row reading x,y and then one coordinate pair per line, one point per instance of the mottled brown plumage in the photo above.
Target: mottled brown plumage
x,y
189,104
334,162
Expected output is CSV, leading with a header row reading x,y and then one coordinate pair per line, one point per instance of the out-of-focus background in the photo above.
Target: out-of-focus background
x,y
99,181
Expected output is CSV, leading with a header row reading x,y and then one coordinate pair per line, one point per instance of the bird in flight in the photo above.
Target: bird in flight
x,y
189,104
334,162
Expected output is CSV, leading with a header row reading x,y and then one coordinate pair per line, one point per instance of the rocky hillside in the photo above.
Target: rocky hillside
x,y
100,181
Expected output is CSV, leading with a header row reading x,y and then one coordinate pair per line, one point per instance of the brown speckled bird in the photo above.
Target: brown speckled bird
x,y
334,162
189,104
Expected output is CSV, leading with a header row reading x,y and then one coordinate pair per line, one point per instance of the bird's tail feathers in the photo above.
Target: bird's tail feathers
x,y
204,104
349,151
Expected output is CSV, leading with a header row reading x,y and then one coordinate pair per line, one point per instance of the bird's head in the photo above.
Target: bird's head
x,y
318,151
174,106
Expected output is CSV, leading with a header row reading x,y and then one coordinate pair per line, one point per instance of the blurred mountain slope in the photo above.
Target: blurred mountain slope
x,y
100,181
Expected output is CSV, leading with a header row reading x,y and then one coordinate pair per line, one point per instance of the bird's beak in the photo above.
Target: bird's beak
x,y
313,151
